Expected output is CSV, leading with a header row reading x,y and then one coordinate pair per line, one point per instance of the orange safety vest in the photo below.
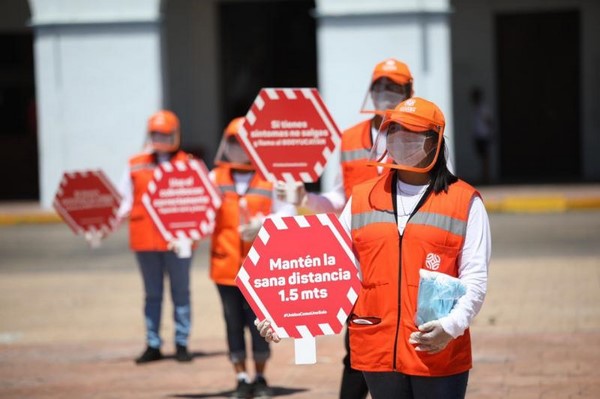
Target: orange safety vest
x,y
356,147
143,234
390,266
228,251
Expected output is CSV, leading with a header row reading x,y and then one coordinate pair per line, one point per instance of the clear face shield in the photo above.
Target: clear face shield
x,y
231,153
164,142
405,149
385,94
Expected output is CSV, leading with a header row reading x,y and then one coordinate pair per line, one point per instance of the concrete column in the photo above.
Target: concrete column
x,y
354,35
98,78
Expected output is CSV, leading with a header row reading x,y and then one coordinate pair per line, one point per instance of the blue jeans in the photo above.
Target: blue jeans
x,y
238,315
153,266
394,385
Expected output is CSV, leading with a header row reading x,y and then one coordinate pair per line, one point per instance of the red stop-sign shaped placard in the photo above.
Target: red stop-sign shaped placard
x,y
300,273
181,200
87,201
289,134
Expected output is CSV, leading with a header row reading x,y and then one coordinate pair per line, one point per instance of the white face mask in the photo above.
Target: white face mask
x,y
236,154
407,148
385,99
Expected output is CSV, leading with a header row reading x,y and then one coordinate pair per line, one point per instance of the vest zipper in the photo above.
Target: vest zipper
x,y
395,207
394,365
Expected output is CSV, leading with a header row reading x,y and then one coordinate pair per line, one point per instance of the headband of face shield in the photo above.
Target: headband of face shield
x,y
413,149
384,94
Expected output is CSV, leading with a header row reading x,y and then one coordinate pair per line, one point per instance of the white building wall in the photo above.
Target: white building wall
x,y
354,35
98,78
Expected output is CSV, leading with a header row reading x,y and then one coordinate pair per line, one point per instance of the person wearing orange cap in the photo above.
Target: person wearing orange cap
x,y
391,83
247,200
416,215
155,256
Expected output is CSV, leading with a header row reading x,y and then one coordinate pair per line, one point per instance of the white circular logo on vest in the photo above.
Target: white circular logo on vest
x,y
432,261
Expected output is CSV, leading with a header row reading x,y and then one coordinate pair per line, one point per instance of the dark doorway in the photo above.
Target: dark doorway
x,y
265,44
18,130
538,84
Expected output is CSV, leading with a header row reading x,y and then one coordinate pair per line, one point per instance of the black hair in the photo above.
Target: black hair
x,y
441,177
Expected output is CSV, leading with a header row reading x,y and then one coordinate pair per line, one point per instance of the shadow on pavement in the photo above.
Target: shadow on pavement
x,y
197,354
277,391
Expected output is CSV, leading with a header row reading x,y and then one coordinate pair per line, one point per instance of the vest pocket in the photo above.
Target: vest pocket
x,y
430,256
364,320
370,306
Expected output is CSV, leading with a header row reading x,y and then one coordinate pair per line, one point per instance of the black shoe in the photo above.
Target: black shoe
x,y
261,389
242,391
182,354
150,355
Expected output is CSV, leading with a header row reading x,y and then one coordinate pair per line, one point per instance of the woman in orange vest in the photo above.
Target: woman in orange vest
x,y
247,200
416,216
391,83
155,256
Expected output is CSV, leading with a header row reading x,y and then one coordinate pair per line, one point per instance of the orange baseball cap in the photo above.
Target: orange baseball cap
x,y
417,115
392,69
163,121
234,126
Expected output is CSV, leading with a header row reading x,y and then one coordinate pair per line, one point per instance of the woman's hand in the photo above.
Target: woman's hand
x,y
430,338
264,327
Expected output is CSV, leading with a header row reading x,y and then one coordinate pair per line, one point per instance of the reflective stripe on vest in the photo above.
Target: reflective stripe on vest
x,y
260,192
442,222
362,219
355,155
226,188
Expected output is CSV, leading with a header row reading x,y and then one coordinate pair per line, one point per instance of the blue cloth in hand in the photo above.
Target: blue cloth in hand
x,y
438,293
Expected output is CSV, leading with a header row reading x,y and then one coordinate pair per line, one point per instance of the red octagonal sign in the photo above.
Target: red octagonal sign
x,y
87,202
300,273
289,134
181,200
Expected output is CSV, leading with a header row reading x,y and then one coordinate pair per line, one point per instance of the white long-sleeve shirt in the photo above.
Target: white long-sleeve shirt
x,y
473,260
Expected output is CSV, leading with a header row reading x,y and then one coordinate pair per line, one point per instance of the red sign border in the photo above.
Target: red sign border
x,y
243,278
73,225
270,94
201,170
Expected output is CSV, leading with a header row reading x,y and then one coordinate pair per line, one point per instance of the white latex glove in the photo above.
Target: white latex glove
x,y
249,231
181,246
291,192
430,338
264,327
93,238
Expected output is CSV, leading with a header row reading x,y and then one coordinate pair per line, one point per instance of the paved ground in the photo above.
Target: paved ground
x,y
71,322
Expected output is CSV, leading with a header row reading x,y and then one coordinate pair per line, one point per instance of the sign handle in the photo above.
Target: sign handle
x,y
305,350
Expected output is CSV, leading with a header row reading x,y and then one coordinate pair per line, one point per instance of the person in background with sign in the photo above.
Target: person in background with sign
x,y
247,200
391,83
155,256
417,215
